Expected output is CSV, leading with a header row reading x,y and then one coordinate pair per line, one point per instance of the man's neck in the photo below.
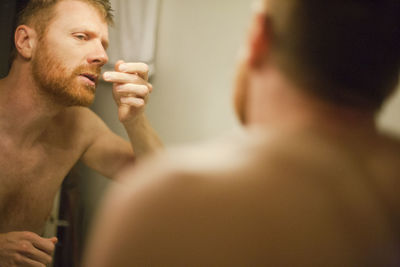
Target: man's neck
x,y
25,112
275,102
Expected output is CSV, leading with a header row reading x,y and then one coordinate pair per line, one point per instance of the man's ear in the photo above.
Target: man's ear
x,y
259,40
25,41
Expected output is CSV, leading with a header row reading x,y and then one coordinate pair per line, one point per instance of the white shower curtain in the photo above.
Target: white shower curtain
x,y
133,37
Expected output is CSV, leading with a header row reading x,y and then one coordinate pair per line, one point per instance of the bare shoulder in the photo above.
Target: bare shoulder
x,y
257,200
184,205
79,117
78,125
247,164
307,170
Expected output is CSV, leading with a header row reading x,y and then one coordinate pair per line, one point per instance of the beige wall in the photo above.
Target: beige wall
x,y
196,59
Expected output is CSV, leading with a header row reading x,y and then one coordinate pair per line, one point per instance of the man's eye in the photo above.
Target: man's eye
x,y
81,37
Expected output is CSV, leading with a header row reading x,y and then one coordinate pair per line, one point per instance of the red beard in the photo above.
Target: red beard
x,y
53,80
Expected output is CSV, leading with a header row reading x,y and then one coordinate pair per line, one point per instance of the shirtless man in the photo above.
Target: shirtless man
x,y
45,125
312,182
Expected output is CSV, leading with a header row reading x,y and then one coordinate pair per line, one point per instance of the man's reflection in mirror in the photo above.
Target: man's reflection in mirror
x,y
45,124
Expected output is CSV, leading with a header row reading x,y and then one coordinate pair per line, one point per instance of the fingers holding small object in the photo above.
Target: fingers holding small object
x,y
120,77
140,69
125,78
133,101
130,84
150,86
117,64
133,98
130,89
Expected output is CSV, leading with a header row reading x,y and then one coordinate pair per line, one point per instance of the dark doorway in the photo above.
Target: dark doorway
x,y
7,18
8,12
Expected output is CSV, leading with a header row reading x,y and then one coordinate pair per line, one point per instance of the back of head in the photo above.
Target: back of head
x,y
344,51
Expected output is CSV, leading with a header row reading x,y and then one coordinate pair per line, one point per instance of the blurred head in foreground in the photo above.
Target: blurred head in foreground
x,y
344,52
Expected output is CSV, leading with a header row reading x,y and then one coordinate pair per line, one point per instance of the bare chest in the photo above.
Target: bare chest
x,y
29,181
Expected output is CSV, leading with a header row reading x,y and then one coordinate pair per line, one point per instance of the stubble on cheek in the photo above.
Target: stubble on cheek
x,y
60,84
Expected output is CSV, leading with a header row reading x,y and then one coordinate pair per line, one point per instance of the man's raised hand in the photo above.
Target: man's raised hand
x,y
130,89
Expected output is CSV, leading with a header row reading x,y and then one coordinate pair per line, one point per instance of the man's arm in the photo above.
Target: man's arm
x,y
142,136
108,153
131,91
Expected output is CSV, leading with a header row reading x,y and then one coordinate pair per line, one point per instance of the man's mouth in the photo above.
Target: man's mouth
x,y
91,78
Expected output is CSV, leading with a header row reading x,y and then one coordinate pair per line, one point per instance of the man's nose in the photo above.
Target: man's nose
x,y
98,57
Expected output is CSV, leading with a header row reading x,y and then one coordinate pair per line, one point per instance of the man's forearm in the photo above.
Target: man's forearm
x,y
131,91
142,136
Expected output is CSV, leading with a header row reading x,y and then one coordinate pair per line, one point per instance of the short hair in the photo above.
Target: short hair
x,y
343,51
39,13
